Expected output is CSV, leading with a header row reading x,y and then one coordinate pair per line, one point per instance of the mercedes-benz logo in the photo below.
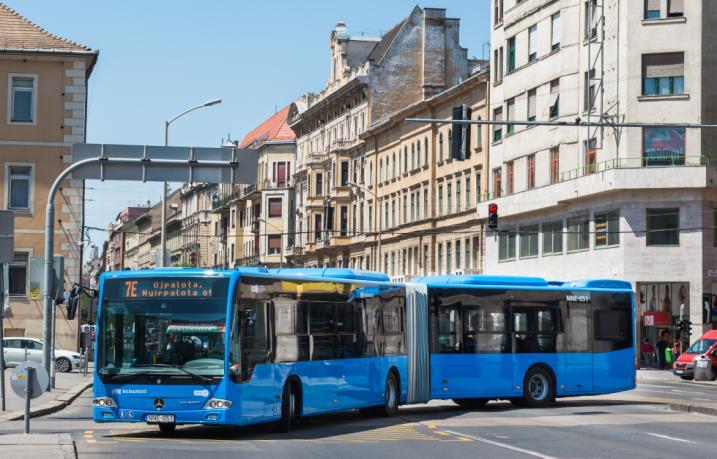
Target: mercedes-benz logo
x,y
158,403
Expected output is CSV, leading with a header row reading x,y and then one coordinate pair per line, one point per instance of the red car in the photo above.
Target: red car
x,y
684,367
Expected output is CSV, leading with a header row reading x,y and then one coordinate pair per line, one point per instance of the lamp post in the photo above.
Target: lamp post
x,y
378,220
163,257
281,246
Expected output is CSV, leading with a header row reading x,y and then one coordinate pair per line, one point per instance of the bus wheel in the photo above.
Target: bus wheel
x,y
471,403
288,410
167,428
390,396
538,388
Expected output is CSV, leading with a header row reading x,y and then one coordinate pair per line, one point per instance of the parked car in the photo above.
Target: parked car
x,y
684,367
17,350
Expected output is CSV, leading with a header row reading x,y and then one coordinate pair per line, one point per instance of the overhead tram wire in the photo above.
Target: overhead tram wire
x,y
578,122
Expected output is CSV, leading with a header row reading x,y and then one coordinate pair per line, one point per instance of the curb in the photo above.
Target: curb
x,y
699,383
62,401
693,409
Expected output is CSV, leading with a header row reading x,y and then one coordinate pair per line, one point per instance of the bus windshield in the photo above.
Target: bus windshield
x,y
173,327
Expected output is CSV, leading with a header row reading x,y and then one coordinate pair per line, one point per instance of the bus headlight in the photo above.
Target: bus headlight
x,y
217,404
105,402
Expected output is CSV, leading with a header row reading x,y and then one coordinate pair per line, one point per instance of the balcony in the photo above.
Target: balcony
x,y
637,162
247,261
316,158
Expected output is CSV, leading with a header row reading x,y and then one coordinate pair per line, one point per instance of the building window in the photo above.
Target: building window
x,y
449,198
553,237
440,146
652,9
319,185
425,203
498,128
663,74
405,209
449,268
280,171
417,156
478,188
405,158
393,166
18,275
498,11
529,241
675,8
554,164
274,207
458,196
425,151
531,171
578,233
714,227
510,110
533,43
19,186
380,170
22,99
344,173
607,228
663,146
663,226
467,253
476,247
468,192
458,254
440,200
555,31
439,264
554,103
511,55
318,227
532,103
506,246
510,177
590,156
344,220
497,182
385,216
274,244
590,94
591,16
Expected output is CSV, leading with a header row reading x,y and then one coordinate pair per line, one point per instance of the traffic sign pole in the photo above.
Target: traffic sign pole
x,y
28,396
7,231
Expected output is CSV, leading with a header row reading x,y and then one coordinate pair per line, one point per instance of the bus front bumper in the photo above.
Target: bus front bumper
x,y
105,414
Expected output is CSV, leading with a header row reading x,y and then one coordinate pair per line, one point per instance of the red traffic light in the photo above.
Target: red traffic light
x,y
492,208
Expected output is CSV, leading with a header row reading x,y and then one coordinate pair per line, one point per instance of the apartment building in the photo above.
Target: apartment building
x,y
261,215
43,101
426,212
199,232
114,253
369,79
628,203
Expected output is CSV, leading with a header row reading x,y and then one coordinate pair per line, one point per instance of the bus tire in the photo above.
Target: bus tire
x,y
538,387
390,399
288,409
167,429
471,403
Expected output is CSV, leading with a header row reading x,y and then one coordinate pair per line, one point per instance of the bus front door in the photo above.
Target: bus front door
x,y
324,373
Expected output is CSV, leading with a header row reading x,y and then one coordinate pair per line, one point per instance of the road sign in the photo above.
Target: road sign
x,y
165,164
18,379
7,229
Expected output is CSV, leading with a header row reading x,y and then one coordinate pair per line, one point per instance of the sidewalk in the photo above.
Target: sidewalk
x,y
38,446
667,376
68,386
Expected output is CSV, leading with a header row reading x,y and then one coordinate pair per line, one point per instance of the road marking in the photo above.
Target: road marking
x,y
669,438
502,445
652,385
432,425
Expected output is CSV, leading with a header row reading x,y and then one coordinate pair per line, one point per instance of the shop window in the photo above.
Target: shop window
x,y
663,146
663,227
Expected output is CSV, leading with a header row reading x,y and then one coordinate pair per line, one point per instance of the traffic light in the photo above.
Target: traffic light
x,y
493,217
73,302
685,329
461,134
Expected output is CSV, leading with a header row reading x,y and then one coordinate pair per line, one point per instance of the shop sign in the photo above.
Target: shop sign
x,y
656,319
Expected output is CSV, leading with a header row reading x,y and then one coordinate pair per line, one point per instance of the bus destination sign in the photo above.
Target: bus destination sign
x,y
168,288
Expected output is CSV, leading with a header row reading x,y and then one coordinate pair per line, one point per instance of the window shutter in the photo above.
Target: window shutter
x,y
498,114
653,5
275,242
663,65
676,6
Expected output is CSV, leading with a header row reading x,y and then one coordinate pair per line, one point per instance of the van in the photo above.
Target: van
x,y
684,366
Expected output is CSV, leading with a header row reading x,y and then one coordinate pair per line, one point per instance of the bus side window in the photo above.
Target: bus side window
x,y
448,333
291,329
254,329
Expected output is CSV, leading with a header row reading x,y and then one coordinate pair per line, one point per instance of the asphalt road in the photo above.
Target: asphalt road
x,y
616,426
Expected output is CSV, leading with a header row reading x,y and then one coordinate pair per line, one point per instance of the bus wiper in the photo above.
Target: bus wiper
x,y
117,375
201,378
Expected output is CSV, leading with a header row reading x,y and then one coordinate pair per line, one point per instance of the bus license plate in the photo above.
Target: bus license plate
x,y
160,418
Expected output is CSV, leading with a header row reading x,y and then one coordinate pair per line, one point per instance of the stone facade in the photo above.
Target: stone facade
x,y
626,203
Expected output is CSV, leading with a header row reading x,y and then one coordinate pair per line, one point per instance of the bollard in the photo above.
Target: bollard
x,y
28,395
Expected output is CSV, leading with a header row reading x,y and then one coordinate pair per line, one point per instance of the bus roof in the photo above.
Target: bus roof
x,y
517,281
315,273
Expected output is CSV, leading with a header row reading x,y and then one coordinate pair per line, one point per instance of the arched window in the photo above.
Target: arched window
x,y
393,166
380,170
440,146
418,153
405,158
370,173
479,135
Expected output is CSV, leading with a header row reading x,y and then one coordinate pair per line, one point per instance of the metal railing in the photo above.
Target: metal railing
x,y
635,162
247,261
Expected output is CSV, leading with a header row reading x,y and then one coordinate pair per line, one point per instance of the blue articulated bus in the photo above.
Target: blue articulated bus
x,y
196,346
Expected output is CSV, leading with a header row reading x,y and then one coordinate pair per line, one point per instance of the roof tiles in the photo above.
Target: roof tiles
x,y
274,129
18,32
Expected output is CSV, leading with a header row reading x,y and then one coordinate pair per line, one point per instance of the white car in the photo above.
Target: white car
x,y
17,350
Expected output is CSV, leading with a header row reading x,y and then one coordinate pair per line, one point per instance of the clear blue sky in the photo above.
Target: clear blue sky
x,y
159,57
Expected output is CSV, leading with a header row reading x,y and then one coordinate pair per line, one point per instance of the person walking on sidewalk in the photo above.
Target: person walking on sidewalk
x,y
661,348
648,353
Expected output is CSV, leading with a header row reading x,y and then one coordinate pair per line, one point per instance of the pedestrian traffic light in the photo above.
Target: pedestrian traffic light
x,y
461,133
493,217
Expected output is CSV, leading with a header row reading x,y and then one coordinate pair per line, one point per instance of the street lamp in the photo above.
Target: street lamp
x,y
378,220
281,246
208,103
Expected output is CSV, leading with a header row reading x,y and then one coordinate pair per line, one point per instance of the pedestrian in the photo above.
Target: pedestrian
x,y
676,349
662,346
647,350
